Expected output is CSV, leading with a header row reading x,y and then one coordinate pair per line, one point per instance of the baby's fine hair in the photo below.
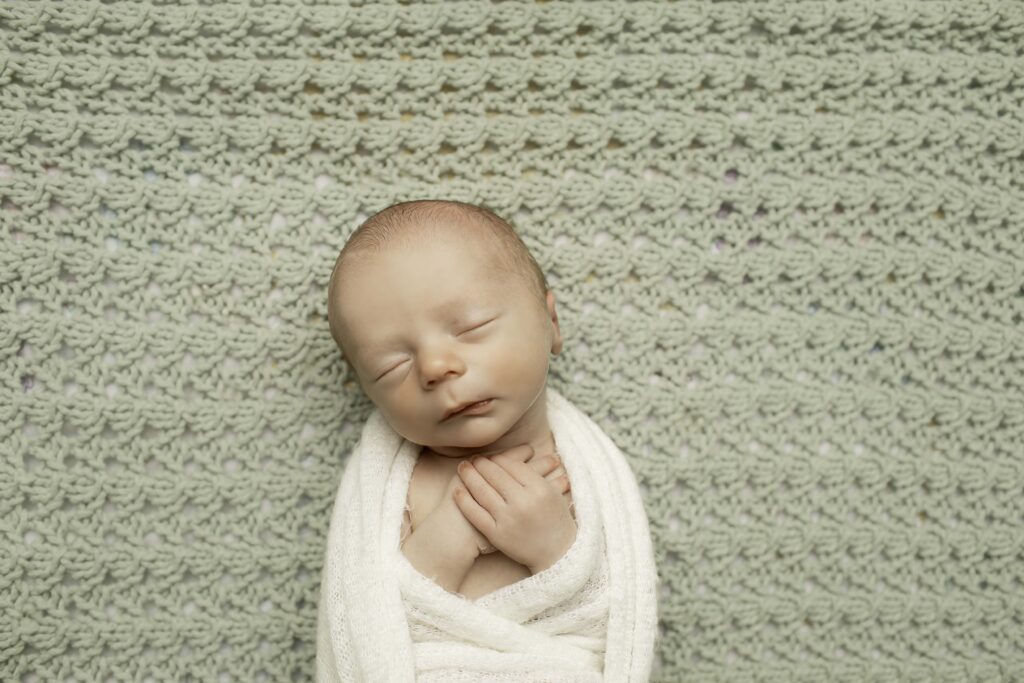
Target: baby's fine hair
x,y
411,222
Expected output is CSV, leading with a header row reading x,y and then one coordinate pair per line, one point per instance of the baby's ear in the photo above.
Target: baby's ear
x,y
556,342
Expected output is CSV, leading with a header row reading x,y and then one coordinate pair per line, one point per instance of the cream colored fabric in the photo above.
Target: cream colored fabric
x,y
591,616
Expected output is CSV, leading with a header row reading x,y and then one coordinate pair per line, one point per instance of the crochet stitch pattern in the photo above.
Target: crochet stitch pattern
x,y
785,240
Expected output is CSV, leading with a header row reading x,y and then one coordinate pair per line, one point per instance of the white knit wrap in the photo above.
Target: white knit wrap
x,y
592,616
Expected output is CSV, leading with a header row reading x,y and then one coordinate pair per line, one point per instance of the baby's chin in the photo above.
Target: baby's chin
x,y
457,447
464,440
462,447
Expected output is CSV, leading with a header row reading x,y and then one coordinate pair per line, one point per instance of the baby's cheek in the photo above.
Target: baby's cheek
x,y
529,367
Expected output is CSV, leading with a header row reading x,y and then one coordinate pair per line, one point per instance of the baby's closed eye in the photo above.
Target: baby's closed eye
x,y
477,327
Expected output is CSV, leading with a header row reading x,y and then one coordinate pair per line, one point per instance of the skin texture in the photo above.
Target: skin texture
x,y
415,360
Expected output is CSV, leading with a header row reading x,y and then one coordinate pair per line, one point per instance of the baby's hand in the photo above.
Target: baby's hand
x,y
451,493
517,510
547,466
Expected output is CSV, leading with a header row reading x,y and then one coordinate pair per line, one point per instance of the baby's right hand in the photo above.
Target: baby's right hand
x,y
548,466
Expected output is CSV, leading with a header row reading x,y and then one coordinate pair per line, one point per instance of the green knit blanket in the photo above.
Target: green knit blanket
x,y
785,243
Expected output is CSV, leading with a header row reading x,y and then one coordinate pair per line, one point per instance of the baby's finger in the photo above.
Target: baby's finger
x,y
559,479
478,516
555,473
495,474
526,474
481,491
545,464
521,453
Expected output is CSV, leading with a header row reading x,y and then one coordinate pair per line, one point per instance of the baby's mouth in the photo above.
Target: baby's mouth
x,y
472,408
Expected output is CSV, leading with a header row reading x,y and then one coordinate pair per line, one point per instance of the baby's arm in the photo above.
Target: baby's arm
x,y
441,548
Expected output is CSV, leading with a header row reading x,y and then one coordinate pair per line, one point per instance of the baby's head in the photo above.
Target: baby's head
x,y
438,303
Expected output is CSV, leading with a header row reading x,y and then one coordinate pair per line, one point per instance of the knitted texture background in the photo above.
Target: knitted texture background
x,y
786,244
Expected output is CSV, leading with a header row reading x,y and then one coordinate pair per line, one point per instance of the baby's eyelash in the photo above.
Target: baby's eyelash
x,y
479,326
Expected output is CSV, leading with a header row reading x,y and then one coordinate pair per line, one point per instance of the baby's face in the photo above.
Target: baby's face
x,y
437,326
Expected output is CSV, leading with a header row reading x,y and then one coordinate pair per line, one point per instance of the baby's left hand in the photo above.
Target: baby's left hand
x,y
522,514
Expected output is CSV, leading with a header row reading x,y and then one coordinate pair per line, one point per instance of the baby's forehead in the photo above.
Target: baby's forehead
x,y
462,268
477,257
468,263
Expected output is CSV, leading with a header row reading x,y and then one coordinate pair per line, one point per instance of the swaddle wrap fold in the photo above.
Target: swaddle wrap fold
x,y
591,616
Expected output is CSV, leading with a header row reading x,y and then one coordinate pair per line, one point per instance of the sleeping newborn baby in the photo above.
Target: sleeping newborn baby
x,y
448,330
496,567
